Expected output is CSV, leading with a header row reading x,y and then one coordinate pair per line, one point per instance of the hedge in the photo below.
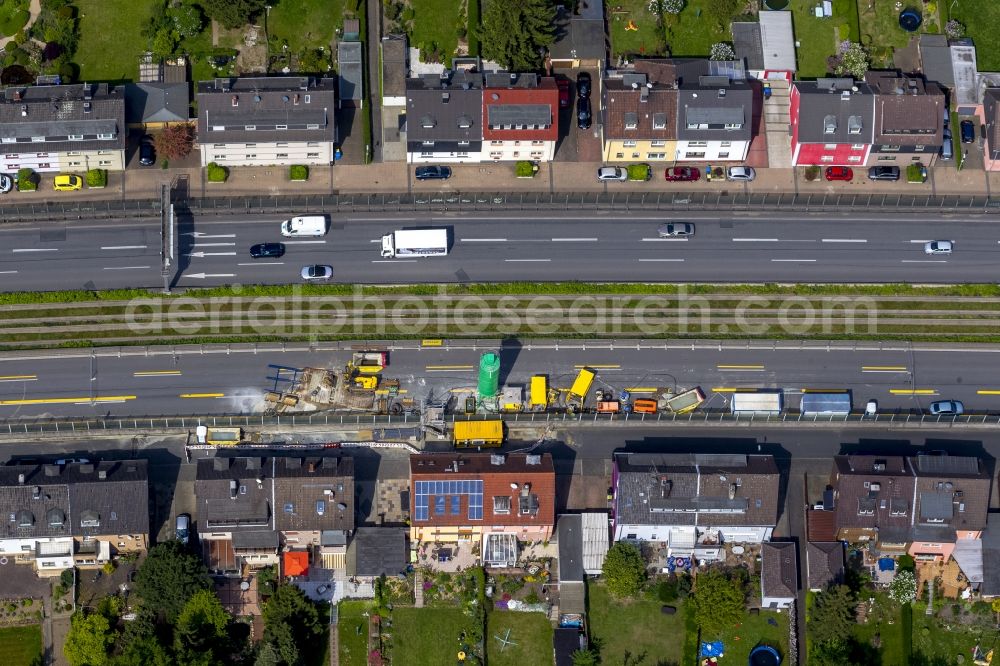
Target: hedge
x,y
298,172
216,173
97,178
26,180
639,172
524,169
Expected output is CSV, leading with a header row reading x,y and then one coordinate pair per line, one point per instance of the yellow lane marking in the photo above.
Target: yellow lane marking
x,y
988,392
203,395
18,378
641,389
155,373
431,343
805,390
470,389
597,367
883,368
913,391
739,367
386,391
726,389
431,368
66,401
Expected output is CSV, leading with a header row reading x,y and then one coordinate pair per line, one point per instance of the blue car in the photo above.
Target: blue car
x,y
433,173
968,130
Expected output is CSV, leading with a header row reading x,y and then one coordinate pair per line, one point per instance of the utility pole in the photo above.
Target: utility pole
x,y
166,236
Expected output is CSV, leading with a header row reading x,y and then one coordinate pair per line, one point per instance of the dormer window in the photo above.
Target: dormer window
x,y
105,137
501,505
854,125
90,518
659,121
830,125
55,518
631,121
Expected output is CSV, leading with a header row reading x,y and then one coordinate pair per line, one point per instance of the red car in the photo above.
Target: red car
x,y
839,173
682,174
563,92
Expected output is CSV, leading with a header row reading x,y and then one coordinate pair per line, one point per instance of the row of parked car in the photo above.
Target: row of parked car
x,y
672,174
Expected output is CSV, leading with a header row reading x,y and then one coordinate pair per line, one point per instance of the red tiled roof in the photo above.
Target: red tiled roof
x,y
821,525
296,563
546,94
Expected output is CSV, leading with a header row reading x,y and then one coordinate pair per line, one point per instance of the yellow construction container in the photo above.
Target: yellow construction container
x,y
224,436
581,386
540,391
478,433
368,382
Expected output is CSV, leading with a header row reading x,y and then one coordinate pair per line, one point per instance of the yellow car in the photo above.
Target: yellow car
x,y
67,183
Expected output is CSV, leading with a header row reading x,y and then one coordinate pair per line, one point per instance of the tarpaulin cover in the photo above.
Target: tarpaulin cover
x,y
714,649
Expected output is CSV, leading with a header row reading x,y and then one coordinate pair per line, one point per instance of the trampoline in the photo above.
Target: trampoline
x,y
776,5
910,20
764,655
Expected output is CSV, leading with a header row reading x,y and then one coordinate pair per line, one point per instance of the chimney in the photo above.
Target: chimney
x,y
102,474
312,467
24,109
233,489
236,100
732,491
36,492
20,479
497,459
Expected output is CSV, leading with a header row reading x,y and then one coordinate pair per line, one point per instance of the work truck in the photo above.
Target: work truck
x,y
415,243
686,401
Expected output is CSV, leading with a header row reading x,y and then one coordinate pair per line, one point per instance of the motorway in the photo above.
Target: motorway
x,y
739,247
109,383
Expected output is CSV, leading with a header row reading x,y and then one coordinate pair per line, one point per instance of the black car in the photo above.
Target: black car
x,y
267,250
433,173
147,154
583,85
583,115
883,173
968,130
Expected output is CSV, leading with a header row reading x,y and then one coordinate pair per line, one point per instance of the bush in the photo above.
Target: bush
x,y
639,172
27,181
298,172
916,173
525,169
97,178
216,173
812,173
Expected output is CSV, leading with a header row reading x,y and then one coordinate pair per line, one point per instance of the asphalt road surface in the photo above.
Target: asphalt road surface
x,y
739,247
74,383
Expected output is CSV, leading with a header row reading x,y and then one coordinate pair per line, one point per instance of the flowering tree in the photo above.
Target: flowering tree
x,y
954,29
903,588
671,6
722,51
853,60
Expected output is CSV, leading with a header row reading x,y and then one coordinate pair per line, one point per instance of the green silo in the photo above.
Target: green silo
x,y
489,375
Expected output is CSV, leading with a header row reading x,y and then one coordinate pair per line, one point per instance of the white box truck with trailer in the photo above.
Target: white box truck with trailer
x,y
826,403
757,402
415,243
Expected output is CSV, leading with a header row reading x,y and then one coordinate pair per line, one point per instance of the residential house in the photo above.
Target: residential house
x,y
766,45
935,59
444,117
714,111
250,508
266,121
832,122
918,505
378,551
779,574
580,37
63,127
395,69
493,500
694,502
990,587
824,564
909,119
991,119
76,514
155,104
640,115
520,117
583,544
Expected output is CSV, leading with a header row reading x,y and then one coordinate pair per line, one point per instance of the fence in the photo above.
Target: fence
x,y
709,417
722,200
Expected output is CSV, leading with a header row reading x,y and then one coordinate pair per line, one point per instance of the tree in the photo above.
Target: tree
x,y
584,658
995,606
719,601
146,651
903,588
187,20
832,615
233,13
722,11
201,629
671,6
624,570
515,34
88,640
175,142
853,60
169,577
291,625
722,51
954,29
164,42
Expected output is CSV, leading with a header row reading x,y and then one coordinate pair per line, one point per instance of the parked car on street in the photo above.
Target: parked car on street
x,y
267,250
883,173
741,173
583,115
67,183
681,174
839,173
968,130
676,229
938,247
432,172
317,272
583,85
947,408
563,85
612,173
6,183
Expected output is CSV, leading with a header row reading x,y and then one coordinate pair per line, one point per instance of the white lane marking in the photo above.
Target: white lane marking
x,y
484,240
661,260
664,240
35,249
845,240
525,260
375,240
123,247
574,240
919,241
124,268
755,240
263,263
394,261
795,260
304,242
925,261
7,272
201,255
213,245
202,276
202,234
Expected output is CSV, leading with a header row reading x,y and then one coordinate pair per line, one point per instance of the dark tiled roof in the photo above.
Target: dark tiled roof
x,y
267,103
60,112
394,69
747,44
445,109
580,37
935,59
991,111
991,557
156,102
825,561
377,551
908,112
832,104
570,538
695,489
779,572
652,111
350,77
321,491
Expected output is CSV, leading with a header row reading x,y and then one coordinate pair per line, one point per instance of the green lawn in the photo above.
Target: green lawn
x,y
818,37
648,40
435,21
110,39
20,645
636,627
982,23
694,30
755,630
882,33
943,640
893,650
532,633
352,633
426,636
305,23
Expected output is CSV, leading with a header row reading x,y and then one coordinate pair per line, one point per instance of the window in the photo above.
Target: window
x,y
456,504
281,127
251,145
830,146
630,537
8,139
439,502
250,128
250,156
854,158
281,155
629,144
466,154
657,144
308,98
501,505
105,137
826,158
857,146
315,155
890,158
635,156
466,143
38,139
919,149
724,156
104,163
312,126
619,156
75,137
656,156
312,144
725,144
537,143
697,144
427,154
218,128
496,155
496,143
733,126
694,156
890,149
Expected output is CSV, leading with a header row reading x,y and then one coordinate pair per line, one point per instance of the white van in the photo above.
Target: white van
x,y
305,225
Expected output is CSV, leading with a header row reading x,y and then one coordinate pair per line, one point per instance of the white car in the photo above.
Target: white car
x,y
612,173
938,247
676,229
740,173
317,272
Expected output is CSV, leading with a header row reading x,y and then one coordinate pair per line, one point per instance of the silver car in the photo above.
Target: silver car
x,y
612,173
742,173
317,272
676,229
6,183
947,408
938,247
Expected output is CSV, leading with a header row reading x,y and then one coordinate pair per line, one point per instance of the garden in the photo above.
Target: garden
x,y
636,626
21,646
671,27
982,22
515,638
818,38
428,636
13,16
352,632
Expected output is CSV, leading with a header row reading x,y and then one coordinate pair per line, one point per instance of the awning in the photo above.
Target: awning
x,y
969,555
296,563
